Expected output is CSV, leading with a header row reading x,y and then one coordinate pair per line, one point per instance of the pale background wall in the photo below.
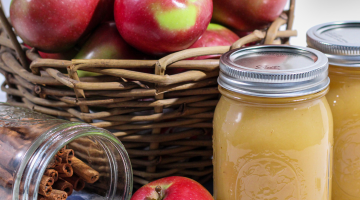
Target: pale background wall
x,y
312,12
308,13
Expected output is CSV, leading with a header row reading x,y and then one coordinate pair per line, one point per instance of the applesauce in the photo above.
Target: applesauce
x,y
340,42
273,133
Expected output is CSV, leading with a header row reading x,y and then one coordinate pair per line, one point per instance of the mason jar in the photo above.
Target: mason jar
x,y
273,132
340,41
32,144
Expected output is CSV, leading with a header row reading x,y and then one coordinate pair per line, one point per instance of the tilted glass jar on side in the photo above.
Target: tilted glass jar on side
x,y
340,41
273,125
29,146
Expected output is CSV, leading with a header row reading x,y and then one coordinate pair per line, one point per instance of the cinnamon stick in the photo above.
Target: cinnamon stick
x,y
61,151
33,131
76,181
67,155
55,161
57,195
29,133
52,173
58,160
64,170
61,194
45,186
63,185
52,163
69,173
6,179
84,171
45,190
47,181
12,137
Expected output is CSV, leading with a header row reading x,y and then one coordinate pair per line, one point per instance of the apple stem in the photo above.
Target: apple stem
x,y
158,190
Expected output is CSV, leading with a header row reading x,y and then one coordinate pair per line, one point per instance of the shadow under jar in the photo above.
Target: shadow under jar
x,y
30,142
273,131
340,41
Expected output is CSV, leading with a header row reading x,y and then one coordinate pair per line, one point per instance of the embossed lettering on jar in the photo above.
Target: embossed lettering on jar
x,y
273,126
341,43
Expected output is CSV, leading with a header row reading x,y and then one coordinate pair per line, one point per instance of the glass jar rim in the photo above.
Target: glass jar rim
x,y
289,79
45,144
336,40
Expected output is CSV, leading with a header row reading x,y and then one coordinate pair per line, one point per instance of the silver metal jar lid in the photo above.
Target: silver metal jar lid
x,y
340,41
274,71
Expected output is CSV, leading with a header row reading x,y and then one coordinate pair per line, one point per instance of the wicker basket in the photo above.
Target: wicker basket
x,y
164,121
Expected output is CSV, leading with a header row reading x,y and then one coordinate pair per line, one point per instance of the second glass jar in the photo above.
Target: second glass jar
x,y
273,126
341,43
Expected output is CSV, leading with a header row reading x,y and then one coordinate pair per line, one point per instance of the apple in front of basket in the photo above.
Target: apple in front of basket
x,y
161,27
172,188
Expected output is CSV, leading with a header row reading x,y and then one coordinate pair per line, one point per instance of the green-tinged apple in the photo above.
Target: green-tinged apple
x,y
162,26
247,15
107,43
172,188
55,26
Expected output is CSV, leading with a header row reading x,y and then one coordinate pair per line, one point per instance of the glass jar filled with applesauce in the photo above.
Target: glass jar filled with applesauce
x,y
340,41
273,132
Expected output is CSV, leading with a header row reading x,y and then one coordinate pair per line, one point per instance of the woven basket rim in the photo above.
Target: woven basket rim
x,y
150,104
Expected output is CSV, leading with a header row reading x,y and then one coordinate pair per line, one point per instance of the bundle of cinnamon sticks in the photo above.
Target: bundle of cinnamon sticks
x,y
64,174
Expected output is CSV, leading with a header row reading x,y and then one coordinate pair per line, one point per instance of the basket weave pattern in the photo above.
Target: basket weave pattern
x,y
164,121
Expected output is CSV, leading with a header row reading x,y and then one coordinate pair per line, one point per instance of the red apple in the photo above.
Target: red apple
x,y
68,55
172,188
242,33
107,43
215,35
247,15
109,16
162,26
55,26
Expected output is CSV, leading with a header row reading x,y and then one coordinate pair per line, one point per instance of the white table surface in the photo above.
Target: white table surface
x,y
308,13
